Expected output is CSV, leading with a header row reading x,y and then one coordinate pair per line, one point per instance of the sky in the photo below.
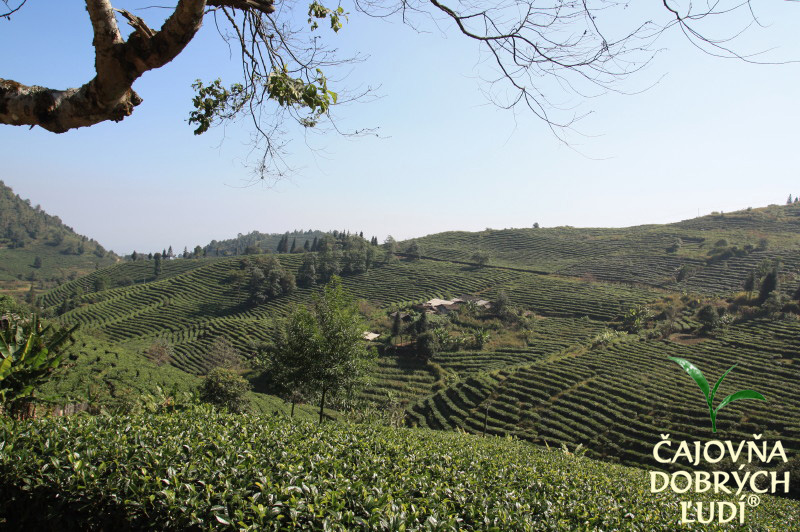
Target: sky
x,y
697,134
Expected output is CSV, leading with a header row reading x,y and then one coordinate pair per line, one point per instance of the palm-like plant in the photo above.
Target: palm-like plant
x,y
29,353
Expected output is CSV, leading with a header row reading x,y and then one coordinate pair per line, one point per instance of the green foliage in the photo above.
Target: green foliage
x,y
768,285
427,345
213,103
635,318
307,274
202,470
318,11
267,279
321,348
29,353
709,316
481,258
480,338
225,388
295,92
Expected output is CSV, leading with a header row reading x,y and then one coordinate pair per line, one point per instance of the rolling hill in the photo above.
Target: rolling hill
x,y
570,375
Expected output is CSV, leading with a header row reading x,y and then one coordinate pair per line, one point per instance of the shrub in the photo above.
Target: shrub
x,y
224,388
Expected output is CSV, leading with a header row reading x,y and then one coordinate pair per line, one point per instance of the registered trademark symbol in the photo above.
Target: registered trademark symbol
x,y
753,500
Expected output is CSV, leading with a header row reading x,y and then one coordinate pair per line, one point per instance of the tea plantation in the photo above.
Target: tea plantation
x,y
562,370
203,470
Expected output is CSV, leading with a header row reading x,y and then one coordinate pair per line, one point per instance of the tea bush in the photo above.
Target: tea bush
x,y
203,469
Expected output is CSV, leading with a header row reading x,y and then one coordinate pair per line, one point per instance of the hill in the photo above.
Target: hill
x,y
579,356
709,254
37,250
263,242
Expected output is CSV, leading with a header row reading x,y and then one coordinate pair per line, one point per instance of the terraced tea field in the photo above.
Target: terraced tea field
x,y
640,255
615,400
558,385
195,303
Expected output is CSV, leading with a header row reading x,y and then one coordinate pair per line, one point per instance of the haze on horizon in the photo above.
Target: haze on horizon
x,y
711,135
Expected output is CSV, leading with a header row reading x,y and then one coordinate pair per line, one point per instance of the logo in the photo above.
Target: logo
x,y
701,381
697,480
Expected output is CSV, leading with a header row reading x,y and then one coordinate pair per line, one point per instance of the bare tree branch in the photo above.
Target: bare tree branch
x,y
537,55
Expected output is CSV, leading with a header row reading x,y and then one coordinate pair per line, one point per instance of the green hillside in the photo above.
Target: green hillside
x,y
37,249
263,242
715,252
200,470
562,366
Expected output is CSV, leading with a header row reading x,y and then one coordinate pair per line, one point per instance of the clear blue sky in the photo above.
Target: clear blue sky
x,y
712,134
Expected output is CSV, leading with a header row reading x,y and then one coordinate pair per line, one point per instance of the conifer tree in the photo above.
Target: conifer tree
x,y
294,245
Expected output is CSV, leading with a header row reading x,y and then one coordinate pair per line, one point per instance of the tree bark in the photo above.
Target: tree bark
x,y
109,95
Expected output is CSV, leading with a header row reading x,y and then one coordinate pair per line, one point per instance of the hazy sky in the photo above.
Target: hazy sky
x,y
711,134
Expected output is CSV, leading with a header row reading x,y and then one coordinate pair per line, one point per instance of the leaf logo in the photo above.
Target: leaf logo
x,y
701,381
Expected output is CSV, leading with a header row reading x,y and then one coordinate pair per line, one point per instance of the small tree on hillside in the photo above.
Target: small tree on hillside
x,y
307,273
157,264
749,284
325,347
481,258
768,285
289,362
709,317
397,324
224,388
413,250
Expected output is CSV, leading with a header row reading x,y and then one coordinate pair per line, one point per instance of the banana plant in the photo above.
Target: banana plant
x,y
701,381
28,354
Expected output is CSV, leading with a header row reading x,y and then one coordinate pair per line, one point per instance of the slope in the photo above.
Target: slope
x,y
37,250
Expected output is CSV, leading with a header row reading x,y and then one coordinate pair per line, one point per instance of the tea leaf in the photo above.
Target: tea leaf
x,y
744,394
696,374
714,392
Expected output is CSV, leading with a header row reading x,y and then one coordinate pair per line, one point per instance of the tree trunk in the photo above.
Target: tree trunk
x,y
322,405
292,414
118,63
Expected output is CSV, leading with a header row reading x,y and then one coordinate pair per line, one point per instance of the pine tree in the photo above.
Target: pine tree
x,y
315,245
789,201
157,265
307,246
170,254
307,273
134,256
294,245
